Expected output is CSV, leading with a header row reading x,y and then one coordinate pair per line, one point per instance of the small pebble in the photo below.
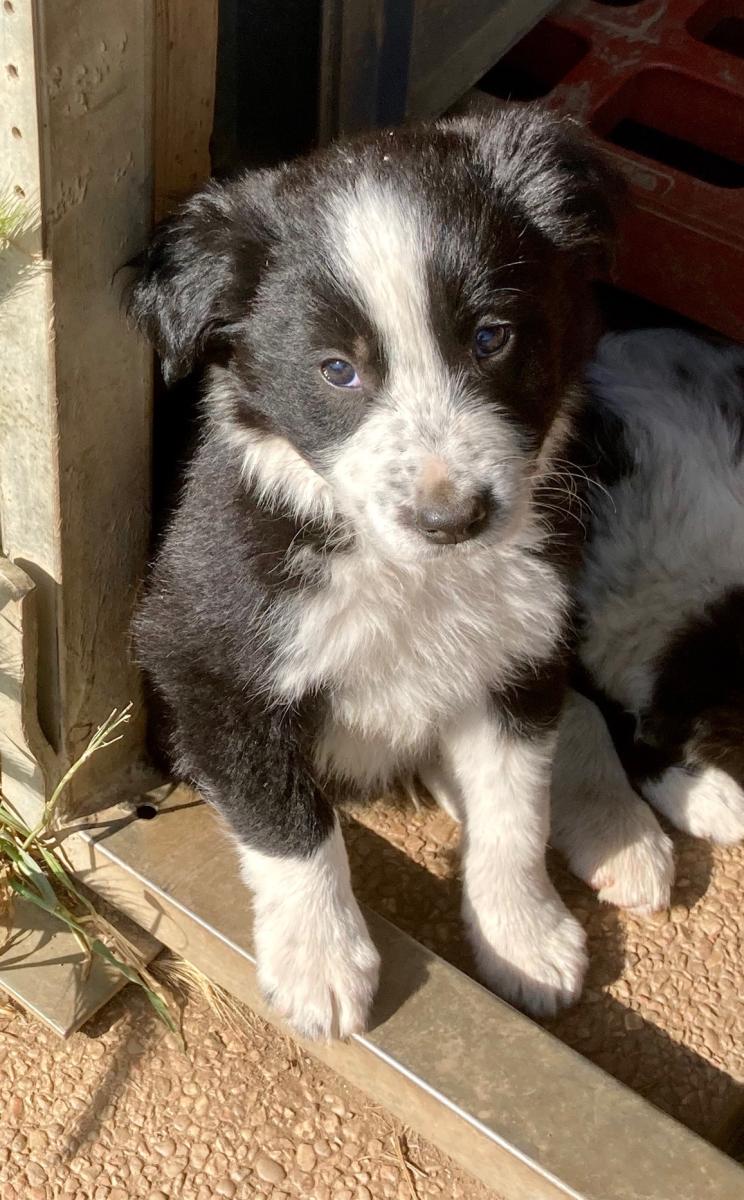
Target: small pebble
x,y
199,1155
269,1169
305,1157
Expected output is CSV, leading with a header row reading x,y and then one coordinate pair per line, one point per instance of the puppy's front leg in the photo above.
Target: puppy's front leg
x,y
316,963
527,945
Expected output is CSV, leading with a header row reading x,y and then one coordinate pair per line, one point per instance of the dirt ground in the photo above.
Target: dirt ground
x,y
119,1111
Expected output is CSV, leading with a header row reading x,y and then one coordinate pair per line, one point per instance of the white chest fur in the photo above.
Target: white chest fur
x,y
400,648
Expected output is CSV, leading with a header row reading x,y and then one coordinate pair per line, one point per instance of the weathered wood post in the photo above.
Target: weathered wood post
x,y
76,100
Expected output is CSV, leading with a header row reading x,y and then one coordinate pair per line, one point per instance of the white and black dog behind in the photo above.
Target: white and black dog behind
x,y
370,573
661,590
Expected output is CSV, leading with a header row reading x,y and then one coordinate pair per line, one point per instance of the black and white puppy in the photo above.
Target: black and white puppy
x,y
370,572
662,588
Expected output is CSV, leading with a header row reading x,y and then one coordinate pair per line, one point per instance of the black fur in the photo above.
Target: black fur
x,y
695,711
198,633
698,696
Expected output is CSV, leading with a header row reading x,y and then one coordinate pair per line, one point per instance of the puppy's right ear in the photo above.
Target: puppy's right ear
x,y
201,269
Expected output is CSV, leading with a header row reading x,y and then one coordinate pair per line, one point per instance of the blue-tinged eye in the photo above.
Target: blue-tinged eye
x,y
340,373
490,339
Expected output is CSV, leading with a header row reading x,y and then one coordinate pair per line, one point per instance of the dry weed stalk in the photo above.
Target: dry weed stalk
x,y
31,866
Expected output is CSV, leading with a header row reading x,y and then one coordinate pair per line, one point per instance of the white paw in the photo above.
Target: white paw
x,y
638,877
531,951
315,960
322,983
629,860
706,803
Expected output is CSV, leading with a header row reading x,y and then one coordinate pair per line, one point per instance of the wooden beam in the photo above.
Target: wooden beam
x,y
26,758
76,381
185,68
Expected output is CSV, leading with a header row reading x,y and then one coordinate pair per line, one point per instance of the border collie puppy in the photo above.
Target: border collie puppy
x,y
662,588
370,572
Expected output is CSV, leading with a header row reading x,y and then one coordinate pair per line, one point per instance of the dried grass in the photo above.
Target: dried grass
x,y
31,866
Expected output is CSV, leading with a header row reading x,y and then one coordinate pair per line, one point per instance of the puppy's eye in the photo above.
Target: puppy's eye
x,y
490,339
340,373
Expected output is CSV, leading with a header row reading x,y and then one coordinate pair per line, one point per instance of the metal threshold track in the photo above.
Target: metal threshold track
x,y
515,1107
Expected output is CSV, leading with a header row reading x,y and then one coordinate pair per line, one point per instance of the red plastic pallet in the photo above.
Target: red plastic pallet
x,y
662,82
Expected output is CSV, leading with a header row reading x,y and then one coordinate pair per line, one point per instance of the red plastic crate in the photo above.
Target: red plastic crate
x,y
662,83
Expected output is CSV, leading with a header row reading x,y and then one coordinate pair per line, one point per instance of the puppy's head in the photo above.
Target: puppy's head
x,y
394,326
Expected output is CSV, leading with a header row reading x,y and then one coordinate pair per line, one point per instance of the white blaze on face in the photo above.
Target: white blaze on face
x,y
427,409
383,244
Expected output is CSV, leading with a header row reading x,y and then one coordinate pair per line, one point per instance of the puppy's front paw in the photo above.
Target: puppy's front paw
x,y
532,952
707,803
638,876
623,854
319,974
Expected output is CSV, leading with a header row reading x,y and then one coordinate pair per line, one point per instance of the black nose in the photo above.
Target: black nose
x,y
453,520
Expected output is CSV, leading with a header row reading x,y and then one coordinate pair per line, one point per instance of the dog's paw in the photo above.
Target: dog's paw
x,y
706,803
637,876
626,857
321,982
532,953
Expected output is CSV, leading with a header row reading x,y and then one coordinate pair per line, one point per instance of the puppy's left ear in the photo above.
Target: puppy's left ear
x,y
549,172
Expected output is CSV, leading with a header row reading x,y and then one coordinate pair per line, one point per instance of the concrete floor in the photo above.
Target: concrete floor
x,y
120,1112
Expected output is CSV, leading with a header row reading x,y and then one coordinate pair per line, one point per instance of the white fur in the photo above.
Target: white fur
x,y
402,648
316,962
527,945
706,803
277,473
670,537
609,836
441,784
